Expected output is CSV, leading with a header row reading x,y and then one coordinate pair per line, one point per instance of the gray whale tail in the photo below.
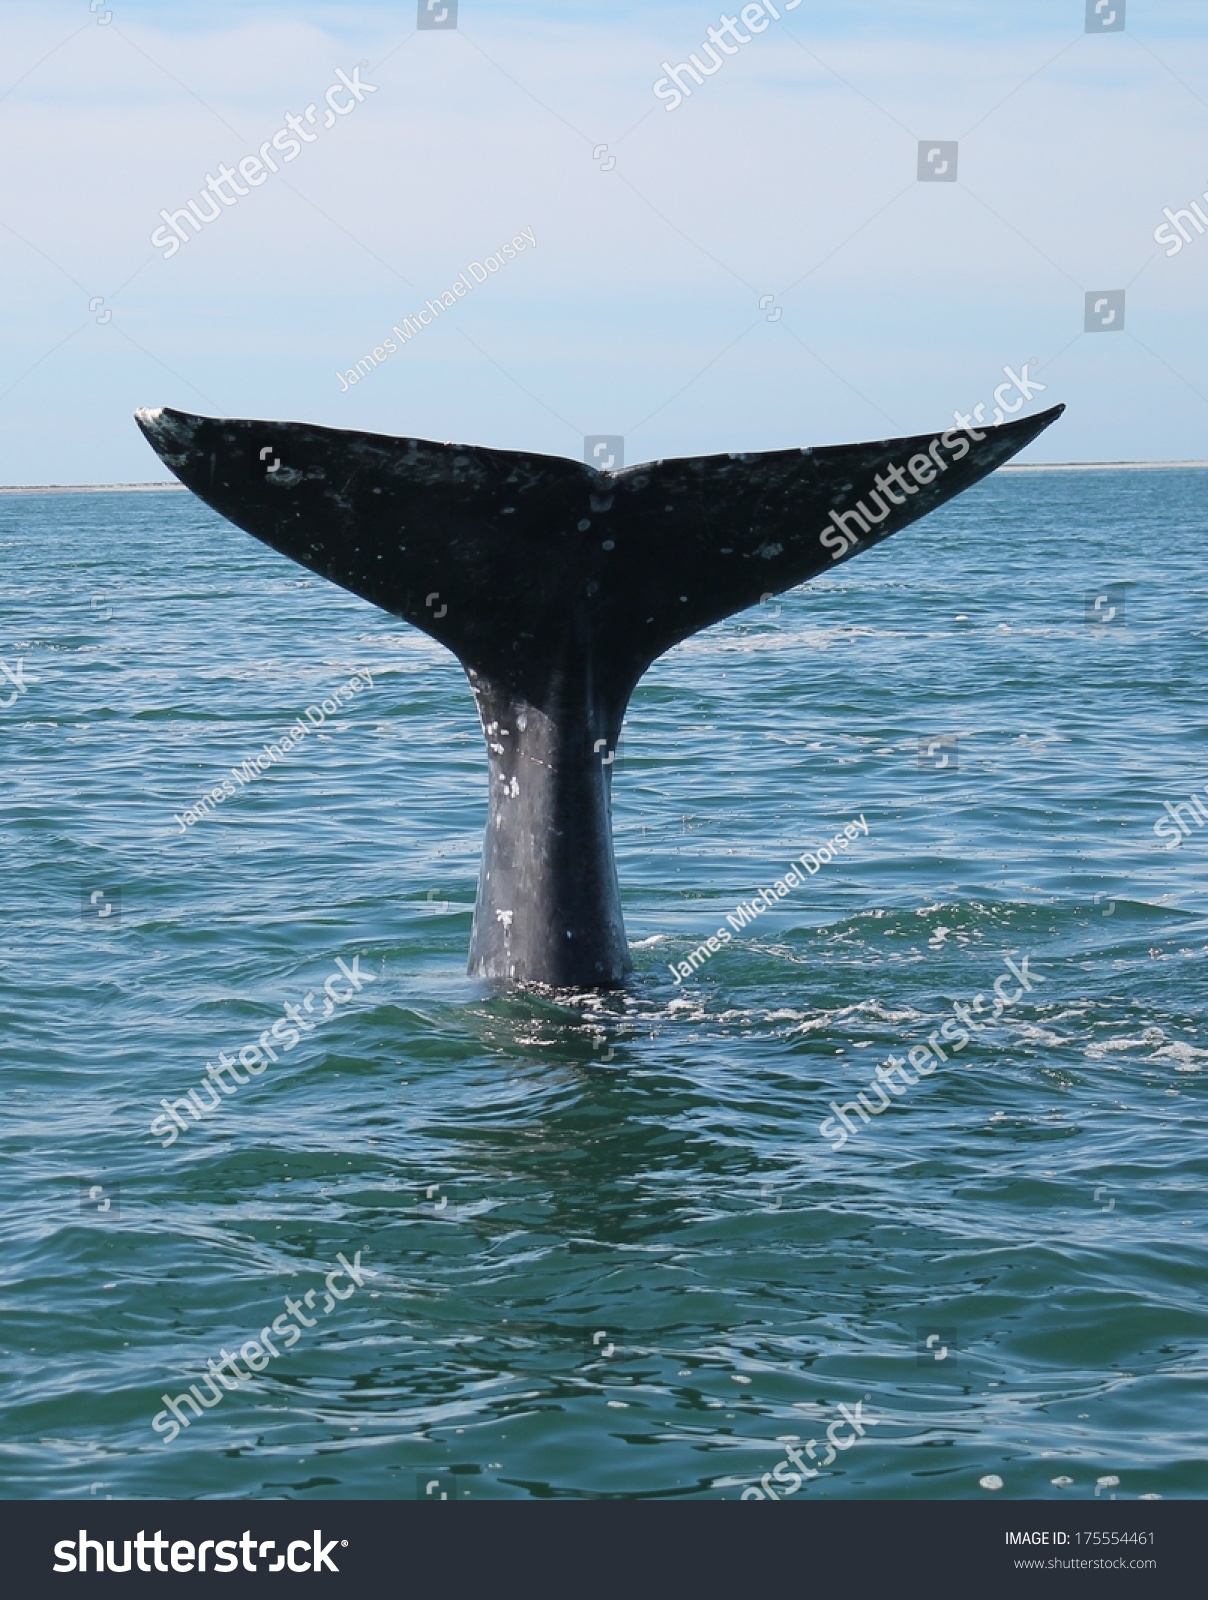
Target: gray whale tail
x,y
556,586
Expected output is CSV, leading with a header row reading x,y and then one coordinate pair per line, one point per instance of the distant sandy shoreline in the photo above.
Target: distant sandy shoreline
x,y
1098,466
87,488
1011,466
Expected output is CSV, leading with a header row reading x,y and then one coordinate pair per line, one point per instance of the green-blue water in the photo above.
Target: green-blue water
x,y
641,1174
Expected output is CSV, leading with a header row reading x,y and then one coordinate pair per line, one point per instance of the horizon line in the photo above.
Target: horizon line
x,y
1011,466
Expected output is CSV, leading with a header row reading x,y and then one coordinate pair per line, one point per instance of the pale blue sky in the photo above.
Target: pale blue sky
x,y
791,172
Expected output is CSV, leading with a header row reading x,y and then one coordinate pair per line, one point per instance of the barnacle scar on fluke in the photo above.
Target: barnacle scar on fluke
x,y
556,585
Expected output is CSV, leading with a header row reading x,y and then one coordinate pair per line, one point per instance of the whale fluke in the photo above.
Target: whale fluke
x,y
556,585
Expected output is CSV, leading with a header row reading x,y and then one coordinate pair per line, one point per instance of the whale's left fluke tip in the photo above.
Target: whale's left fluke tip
x,y
169,433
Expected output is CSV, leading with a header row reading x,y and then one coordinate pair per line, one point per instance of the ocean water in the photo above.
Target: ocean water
x,y
612,1253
